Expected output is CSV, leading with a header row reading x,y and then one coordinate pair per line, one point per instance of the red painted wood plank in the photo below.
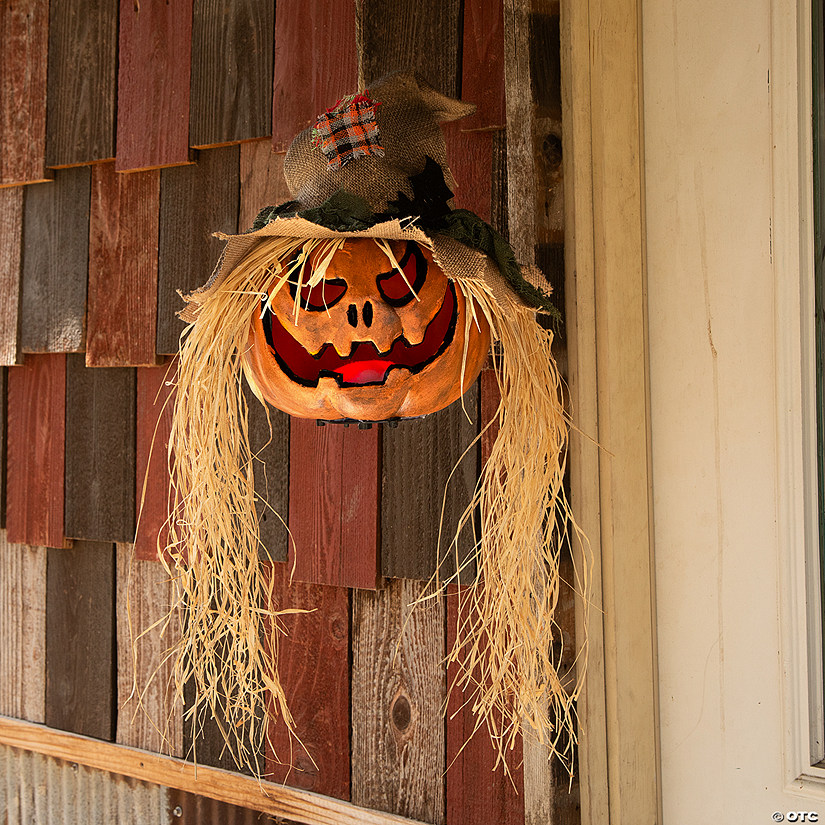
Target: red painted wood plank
x,y
476,791
153,427
470,141
153,84
123,268
311,36
24,33
334,503
313,663
35,451
11,249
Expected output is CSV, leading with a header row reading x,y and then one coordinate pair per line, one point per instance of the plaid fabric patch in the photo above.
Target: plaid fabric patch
x,y
348,131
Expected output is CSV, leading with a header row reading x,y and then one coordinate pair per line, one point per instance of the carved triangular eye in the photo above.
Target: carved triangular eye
x,y
397,289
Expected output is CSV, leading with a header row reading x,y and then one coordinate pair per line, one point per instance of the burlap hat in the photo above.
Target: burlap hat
x,y
375,165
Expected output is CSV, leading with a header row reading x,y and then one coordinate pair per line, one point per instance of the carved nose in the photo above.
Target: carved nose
x,y
366,314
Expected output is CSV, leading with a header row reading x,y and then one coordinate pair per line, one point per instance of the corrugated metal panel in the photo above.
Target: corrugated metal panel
x,y
39,790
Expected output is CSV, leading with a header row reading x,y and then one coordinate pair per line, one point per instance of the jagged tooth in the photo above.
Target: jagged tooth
x,y
347,350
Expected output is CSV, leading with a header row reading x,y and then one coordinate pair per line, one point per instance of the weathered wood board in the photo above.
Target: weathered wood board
x,y
100,452
153,426
232,55
262,180
195,201
310,37
123,268
22,630
478,788
24,33
424,36
148,716
35,458
82,82
11,248
55,263
154,56
398,694
333,503
313,664
80,639
419,509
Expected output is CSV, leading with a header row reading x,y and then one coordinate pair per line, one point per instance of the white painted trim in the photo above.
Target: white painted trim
x,y
797,495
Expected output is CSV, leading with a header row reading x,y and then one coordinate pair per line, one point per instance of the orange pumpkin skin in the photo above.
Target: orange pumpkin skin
x,y
374,352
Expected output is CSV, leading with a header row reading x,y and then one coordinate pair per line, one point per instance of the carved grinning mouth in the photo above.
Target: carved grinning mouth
x,y
365,365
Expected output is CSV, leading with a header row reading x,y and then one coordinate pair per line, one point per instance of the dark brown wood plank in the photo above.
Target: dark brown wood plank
x,y
82,82
313,663
262,180
155,49
100,452
55,263
311,37
398,694
153,427
418,457
80,640
333,512
123,268
263,184
195,201
269,441
425,36
24,33
11,248
477,791
35,445
232,54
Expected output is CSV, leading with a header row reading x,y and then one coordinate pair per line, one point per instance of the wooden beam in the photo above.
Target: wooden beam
x,y
607,320
298,806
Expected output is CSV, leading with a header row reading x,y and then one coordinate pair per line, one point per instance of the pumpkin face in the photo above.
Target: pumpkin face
x,y
368,342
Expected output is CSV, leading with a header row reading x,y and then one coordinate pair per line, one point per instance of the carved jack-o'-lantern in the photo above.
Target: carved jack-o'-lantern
x,y
370,341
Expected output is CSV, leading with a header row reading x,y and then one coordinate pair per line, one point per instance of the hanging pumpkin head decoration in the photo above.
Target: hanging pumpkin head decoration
x,y
369,298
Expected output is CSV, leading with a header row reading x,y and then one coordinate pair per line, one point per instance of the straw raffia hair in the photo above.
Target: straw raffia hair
x,y
508,642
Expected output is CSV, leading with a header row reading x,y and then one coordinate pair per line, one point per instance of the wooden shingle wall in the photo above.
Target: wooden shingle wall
x,y
130,132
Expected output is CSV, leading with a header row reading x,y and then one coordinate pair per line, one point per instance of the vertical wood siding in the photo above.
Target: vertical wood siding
x,y
177,126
